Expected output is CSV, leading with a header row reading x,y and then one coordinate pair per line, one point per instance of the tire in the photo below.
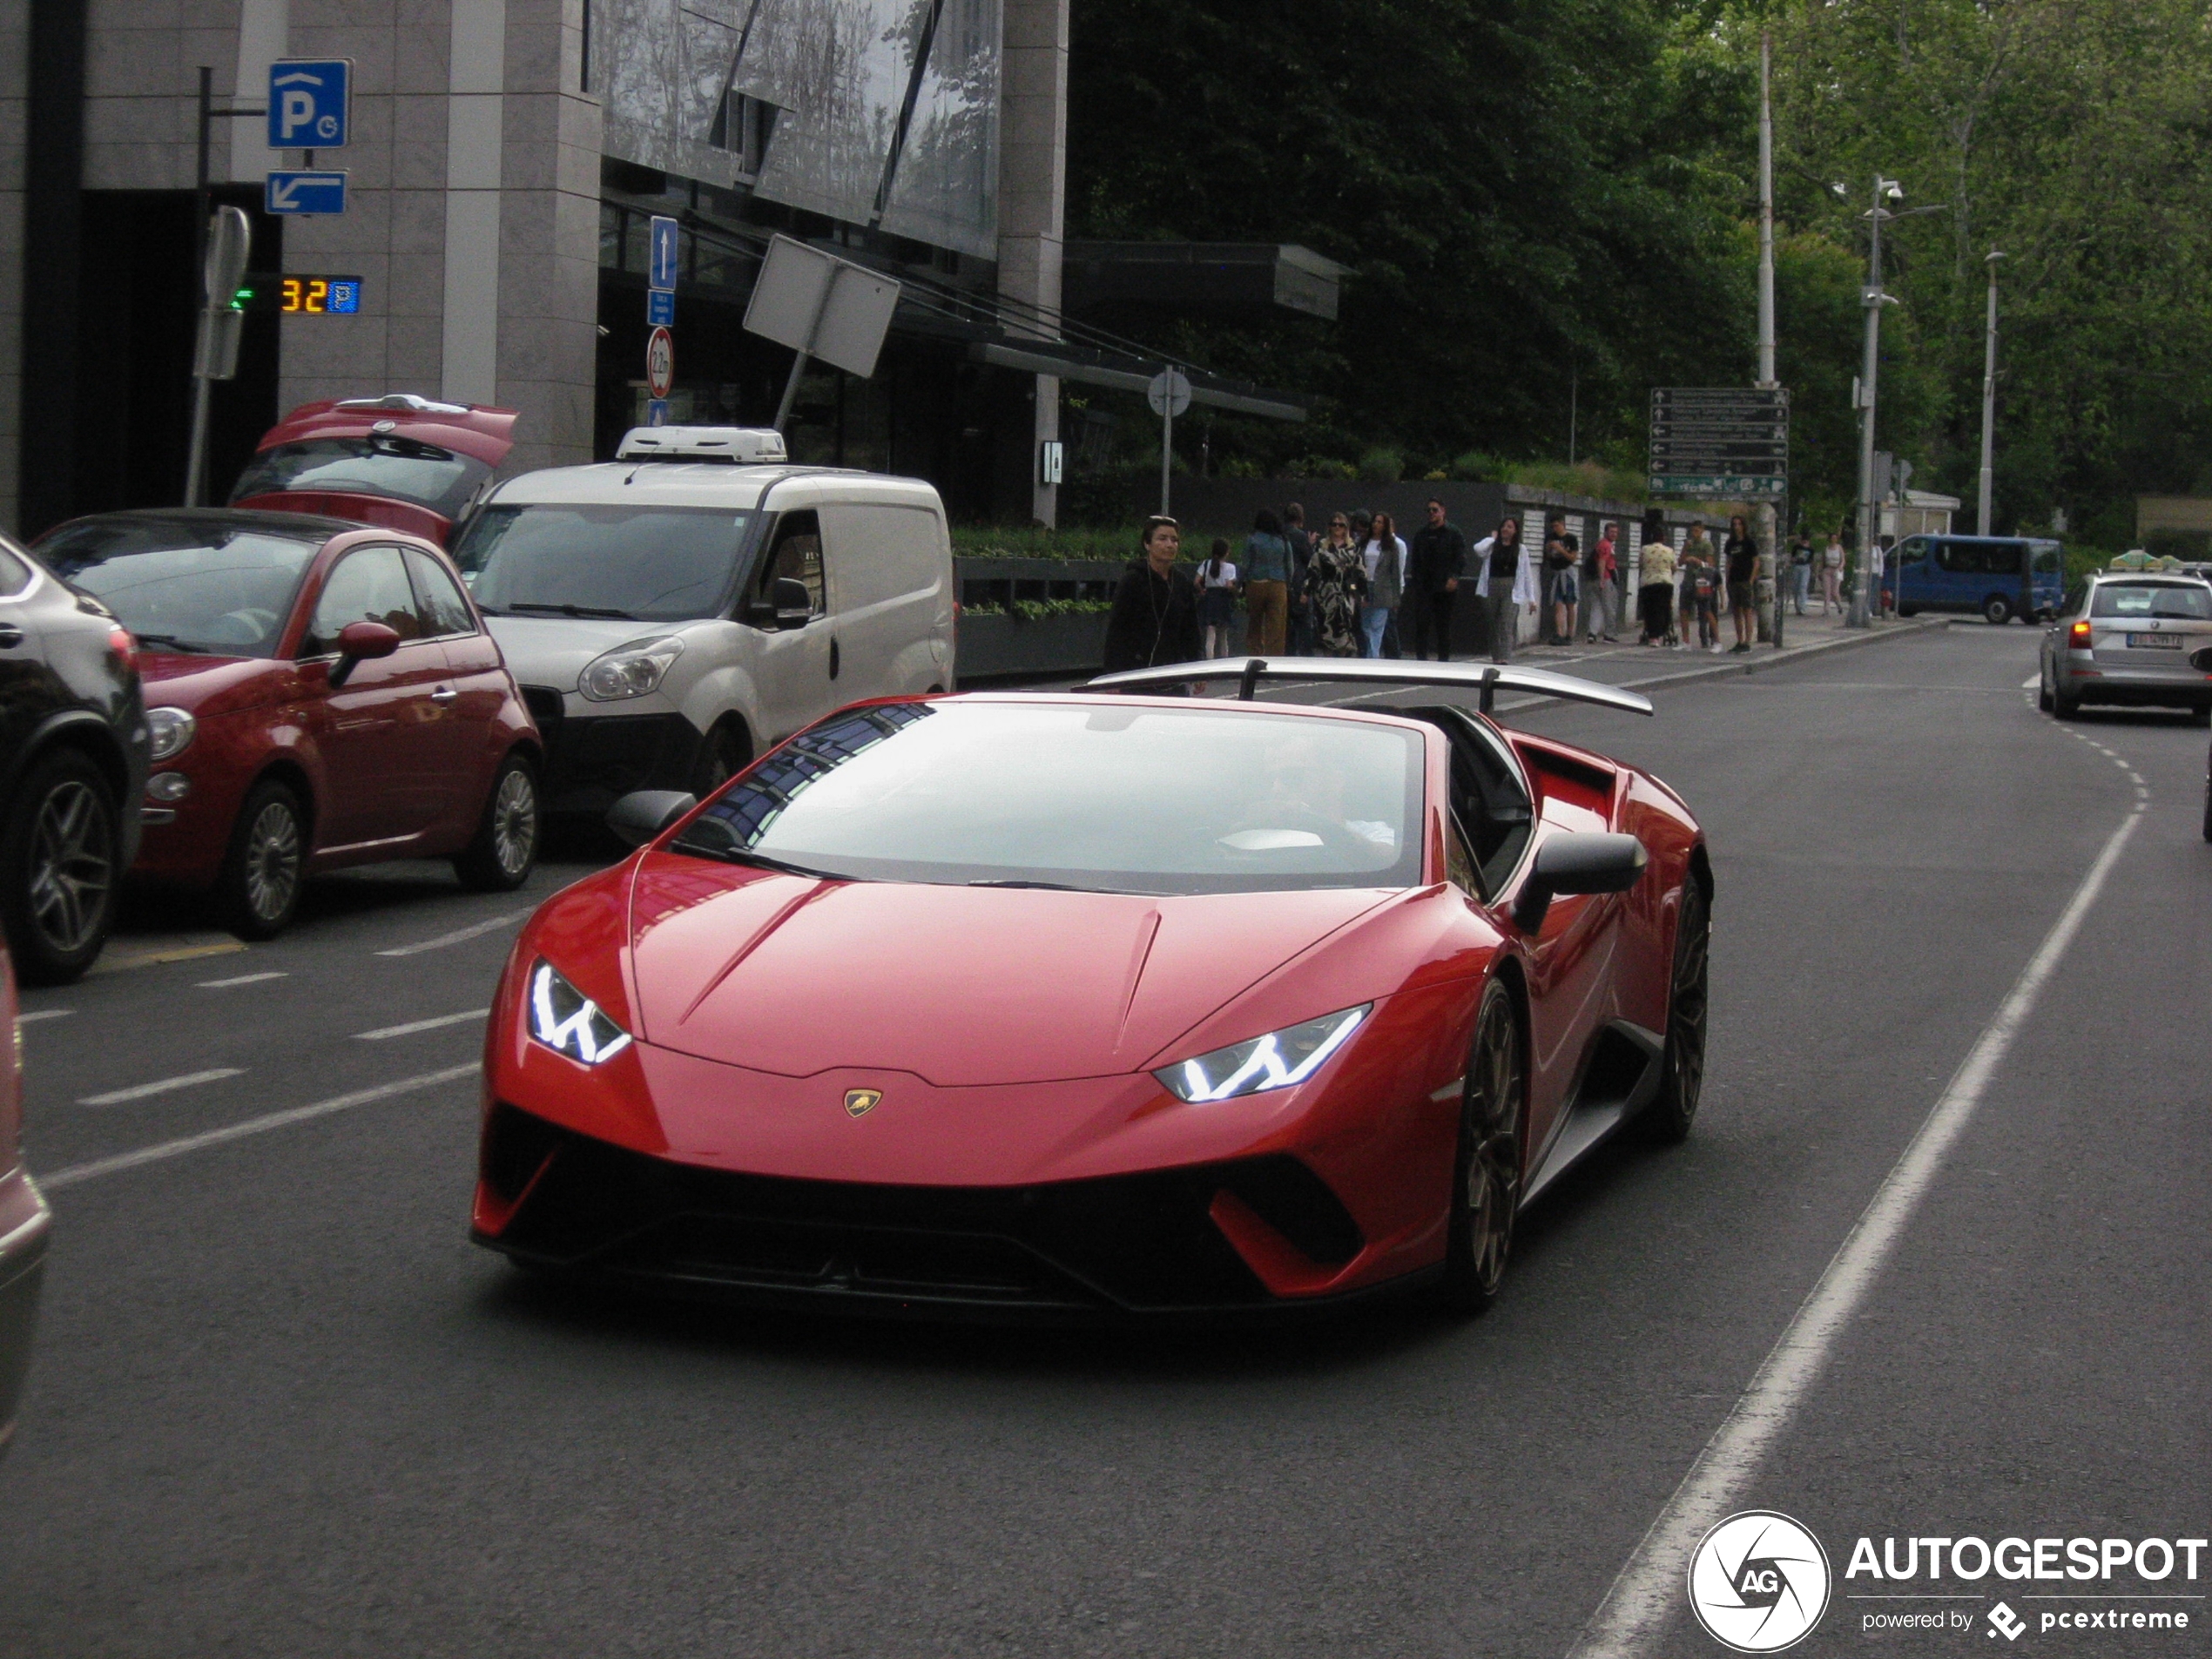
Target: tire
x,y
724,752
1996,611
2044,700
2208,810
60,860
1486,1170
1683,1060
266,870
2062,705
1908,610
504,851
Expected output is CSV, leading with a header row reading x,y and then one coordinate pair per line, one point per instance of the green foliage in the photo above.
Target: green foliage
x,y
1035,541
1381,465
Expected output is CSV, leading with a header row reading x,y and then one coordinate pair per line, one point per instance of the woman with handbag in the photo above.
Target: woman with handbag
x,y
1336,580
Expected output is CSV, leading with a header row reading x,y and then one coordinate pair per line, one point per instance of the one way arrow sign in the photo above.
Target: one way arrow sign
x,y
307,192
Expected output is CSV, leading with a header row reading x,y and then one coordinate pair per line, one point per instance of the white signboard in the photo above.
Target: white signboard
x,y
824,307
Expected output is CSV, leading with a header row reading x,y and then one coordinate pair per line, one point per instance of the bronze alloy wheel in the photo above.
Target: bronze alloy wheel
x,y
1486,1183
72,867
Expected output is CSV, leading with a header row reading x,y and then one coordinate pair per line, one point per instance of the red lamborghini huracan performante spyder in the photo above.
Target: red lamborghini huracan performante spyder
x,y
1048,1002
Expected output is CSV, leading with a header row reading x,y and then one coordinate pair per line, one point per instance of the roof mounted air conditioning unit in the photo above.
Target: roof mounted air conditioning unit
x,y
742,446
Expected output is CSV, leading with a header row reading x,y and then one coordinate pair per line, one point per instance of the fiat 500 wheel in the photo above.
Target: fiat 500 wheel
x,y
267,870
504,851
59,855
1485,1181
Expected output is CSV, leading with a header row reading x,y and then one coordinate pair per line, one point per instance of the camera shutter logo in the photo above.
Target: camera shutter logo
x,y
1758,1582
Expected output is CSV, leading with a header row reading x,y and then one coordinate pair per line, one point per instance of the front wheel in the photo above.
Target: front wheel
x,y
266,868
59,857
1683,1060
500,858
1485,1178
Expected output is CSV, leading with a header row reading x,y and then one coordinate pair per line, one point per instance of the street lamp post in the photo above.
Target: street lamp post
x,y
1869,509
1988,402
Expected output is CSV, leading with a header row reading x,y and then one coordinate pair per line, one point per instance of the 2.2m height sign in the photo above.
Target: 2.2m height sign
x,y
1721,441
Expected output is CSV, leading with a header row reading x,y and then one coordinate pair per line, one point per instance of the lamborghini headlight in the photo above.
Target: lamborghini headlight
x,y
1279,1060
567,1021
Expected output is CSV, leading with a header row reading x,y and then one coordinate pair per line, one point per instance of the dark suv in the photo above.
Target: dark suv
x,y
73,758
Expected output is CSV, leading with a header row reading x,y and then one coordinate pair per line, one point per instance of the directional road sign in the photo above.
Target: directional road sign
x,y
657,411
660,307
1720,486
1745,397
1169,392
310,103
660,362
305,193
1720,441
660,267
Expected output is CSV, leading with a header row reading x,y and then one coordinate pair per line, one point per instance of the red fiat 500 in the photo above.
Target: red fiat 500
x,y
320,693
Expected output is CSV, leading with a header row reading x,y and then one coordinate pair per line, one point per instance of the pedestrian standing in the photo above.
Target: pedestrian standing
x,y
1506,583
1800,570
1300,634
1433,566
1741,553
1384,554
1154,618
1562,552
1831,574
1602,596
1336,581
1217,584
1267,585
1701,588
1655,588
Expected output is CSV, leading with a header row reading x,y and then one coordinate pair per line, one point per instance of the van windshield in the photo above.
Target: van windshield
x,y
645,563
2188,603
399,468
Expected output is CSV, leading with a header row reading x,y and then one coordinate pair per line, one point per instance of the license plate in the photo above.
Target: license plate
x,y
2153,642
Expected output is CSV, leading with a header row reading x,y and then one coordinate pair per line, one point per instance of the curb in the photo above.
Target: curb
x,y
1758,664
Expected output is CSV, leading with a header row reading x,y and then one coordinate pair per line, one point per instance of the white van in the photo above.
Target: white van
x,y
672,613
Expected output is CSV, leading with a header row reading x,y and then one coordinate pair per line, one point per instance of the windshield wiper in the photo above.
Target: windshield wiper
x,y
1068,886
170,642
607,611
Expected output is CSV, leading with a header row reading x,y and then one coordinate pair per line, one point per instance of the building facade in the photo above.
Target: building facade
x,y
505,158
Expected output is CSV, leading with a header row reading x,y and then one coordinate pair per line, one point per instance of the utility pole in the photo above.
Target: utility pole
x,y
1870,514
1988,403
1764,518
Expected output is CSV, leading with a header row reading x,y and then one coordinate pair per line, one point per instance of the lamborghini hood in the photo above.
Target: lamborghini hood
x,y
958,986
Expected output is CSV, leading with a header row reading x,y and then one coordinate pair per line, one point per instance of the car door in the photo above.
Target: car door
x,y
382,736
884,578
477,681
1914,570
795,668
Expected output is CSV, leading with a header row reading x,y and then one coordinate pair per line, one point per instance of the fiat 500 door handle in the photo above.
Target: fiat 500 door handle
x,y
11,635
444,694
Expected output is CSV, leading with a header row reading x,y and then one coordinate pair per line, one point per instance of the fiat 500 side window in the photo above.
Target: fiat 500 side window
x,y
368,585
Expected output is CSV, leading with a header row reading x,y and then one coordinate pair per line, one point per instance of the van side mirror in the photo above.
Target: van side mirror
x,y
788,605
362,641
1570,863
643,814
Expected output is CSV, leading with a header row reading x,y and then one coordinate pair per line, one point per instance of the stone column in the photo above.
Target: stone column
x,y
1032,189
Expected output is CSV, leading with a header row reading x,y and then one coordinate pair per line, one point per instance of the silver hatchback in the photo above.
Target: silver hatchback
x,y
2126,638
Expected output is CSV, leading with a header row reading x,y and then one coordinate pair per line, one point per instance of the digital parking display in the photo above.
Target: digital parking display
x,y
319,296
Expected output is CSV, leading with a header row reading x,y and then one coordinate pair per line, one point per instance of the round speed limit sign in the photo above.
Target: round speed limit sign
x,y
660,362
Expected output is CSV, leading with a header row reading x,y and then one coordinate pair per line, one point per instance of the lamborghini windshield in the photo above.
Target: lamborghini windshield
x,y
1092,797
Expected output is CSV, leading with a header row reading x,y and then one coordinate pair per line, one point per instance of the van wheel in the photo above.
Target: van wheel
x,y
1995,611
724,752
1908,610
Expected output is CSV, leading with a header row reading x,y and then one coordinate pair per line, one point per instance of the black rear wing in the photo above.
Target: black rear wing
x,y
1487,678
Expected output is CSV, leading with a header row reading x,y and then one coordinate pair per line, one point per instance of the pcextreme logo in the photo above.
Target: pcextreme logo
x,y
1759,1582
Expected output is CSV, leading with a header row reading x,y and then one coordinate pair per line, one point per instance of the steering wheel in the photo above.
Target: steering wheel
x,y
1334,836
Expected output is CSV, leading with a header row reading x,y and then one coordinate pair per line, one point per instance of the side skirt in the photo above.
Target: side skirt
x,y
1619,1080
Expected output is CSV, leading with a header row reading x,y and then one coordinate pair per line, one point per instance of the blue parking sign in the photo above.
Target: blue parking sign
x,y
660,268
310,103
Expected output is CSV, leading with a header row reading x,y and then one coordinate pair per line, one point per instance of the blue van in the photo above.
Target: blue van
x,y
1997,577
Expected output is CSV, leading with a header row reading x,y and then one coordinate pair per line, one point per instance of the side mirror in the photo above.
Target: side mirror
x,y
643,814
361,642
2200,660
788,605
1567,864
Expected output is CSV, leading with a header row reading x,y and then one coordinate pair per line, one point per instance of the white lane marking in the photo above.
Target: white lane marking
x,y
43,1013
458,936
2033,683
191,1079
414,1026
1634,1614
242,979
166,1150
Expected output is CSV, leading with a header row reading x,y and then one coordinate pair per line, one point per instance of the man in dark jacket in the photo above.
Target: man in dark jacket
x,y
1156,609
1434,564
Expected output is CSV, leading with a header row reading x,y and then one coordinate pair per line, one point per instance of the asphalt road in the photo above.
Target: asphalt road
x,y
280,1406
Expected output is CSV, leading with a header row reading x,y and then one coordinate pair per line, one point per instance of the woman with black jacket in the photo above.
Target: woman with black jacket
x,y
1156,609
